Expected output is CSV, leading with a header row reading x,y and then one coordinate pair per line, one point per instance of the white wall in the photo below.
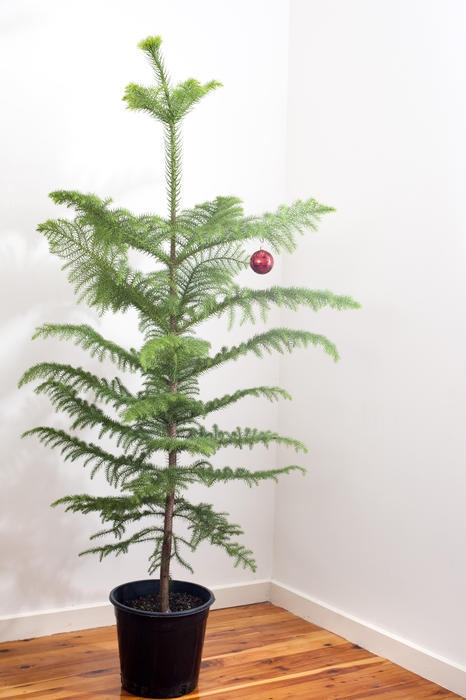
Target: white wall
x,y
65,68
376,128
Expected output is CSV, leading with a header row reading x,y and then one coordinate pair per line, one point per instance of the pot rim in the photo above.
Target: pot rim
x,y
164,615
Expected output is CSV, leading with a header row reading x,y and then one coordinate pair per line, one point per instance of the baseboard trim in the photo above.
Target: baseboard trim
x,y
40,624
81,617
400,651
230,596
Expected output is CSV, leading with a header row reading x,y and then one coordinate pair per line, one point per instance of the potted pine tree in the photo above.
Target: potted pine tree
x,y
161,444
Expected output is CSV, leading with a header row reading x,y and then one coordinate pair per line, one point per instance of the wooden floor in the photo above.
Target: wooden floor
x,y
255,652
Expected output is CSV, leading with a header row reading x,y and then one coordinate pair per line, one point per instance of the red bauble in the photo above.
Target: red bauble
x,y
261,262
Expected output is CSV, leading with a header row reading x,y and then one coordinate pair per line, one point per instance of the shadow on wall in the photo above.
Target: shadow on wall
x,y
38,569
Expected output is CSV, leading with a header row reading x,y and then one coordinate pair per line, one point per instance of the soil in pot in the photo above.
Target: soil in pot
x,y
177,602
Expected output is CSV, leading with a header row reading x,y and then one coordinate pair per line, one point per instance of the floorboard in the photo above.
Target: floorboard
x,y
253,652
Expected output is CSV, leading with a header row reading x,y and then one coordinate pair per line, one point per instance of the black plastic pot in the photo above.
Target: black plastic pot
x,y
160,653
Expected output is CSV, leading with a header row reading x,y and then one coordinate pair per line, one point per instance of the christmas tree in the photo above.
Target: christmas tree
x,y
161,444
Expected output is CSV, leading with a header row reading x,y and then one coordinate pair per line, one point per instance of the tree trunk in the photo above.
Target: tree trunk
x,y
166,553
167,532
170,498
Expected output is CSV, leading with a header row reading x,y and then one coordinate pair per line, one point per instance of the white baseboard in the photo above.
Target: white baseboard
x,y
241,594
81,617
401,651
39,624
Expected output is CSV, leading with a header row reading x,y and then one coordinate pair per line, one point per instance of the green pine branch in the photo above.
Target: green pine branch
x,y
173,351
117,467
277,230
164,103
206,524
246,300
206,222
88,415
208,475
246,437
277,339
146,233
78,380
89,339
212,271
179,408
271,393
168,406
100,273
